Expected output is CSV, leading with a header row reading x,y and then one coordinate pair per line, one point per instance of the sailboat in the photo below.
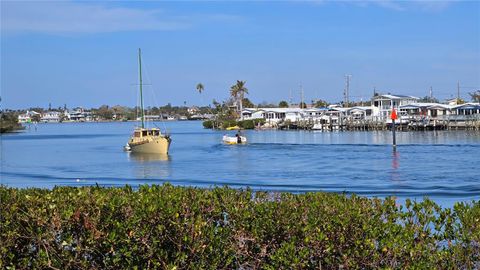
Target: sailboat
x,y
147,140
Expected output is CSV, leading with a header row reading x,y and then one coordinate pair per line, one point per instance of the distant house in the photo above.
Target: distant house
x,y
51,117
453,101
382,104
360,113
78,115
470,108
273,115
426,109
193,110
27,117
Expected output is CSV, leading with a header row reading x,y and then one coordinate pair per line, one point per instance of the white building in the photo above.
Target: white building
x,y
27,117
382,104
360,113
51,117
469,108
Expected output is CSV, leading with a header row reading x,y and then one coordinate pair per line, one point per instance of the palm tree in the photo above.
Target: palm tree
x,y
237,91
200,88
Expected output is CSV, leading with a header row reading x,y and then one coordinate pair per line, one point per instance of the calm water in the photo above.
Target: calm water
x,y
443,165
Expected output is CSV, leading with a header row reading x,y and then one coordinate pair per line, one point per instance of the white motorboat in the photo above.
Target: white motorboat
x,y
234,139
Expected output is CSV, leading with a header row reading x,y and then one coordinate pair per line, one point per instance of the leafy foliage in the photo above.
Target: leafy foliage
x,y
251,123
475,96
428,99
9,122
244,124
283,104
171,227
320,103
200,88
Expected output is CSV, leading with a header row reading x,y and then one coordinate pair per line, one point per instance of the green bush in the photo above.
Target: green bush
x,y
169,227
250,124
9,122
208,124
228,123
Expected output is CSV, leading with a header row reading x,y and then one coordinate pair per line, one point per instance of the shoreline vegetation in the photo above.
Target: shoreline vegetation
x,y
171,227
9,123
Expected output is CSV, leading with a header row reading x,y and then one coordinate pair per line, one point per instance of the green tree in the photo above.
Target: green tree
x,y
321,103
283,104
104,112
247,103
9,122
237,91
303,105
475,96
200,88
428,99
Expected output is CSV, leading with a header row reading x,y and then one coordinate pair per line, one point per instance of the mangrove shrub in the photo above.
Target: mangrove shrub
x,y
168,227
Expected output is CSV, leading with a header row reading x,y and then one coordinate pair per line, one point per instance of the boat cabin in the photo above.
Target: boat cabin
x,y
138,133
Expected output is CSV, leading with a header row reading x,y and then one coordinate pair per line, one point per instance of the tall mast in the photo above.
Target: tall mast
x,y
141,92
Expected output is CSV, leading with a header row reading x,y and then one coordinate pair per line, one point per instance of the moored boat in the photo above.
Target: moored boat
x,y
147,140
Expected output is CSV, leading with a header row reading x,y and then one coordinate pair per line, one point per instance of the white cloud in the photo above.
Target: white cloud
x,y
434,6
69,17
424,5
389,4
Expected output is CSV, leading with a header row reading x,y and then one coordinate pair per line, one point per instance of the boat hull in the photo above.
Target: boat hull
x,y
158,145
233,140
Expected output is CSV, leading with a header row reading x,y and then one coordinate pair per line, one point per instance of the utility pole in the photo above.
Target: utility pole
x,y
301,96
458,92
431,94
347,88
290,101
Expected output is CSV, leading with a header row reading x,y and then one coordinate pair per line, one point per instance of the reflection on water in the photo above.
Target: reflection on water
x,y
151,165
146,157
395,176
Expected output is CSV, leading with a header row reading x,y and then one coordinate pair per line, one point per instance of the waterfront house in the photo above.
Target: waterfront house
x,y
51,117
152,117
314,113
274,115
78,114
193,110
470,108
360,113
382,104
27,117
425,109
252,113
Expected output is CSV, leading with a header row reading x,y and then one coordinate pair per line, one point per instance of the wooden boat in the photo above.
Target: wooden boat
x,y
234,139
147,140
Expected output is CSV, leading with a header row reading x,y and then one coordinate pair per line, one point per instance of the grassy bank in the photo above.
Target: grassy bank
x,y
171,227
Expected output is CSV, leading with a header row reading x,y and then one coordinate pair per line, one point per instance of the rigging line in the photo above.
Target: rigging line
x,y
137,104
153,93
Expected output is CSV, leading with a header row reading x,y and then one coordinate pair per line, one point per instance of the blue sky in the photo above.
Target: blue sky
x,y
85,53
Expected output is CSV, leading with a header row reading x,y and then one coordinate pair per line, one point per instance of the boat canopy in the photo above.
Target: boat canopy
x,y
143,132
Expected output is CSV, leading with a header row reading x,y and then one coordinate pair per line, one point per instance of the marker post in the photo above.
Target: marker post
x,y
393,116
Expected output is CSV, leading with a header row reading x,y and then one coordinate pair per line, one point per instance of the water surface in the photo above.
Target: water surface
x,y
442,165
